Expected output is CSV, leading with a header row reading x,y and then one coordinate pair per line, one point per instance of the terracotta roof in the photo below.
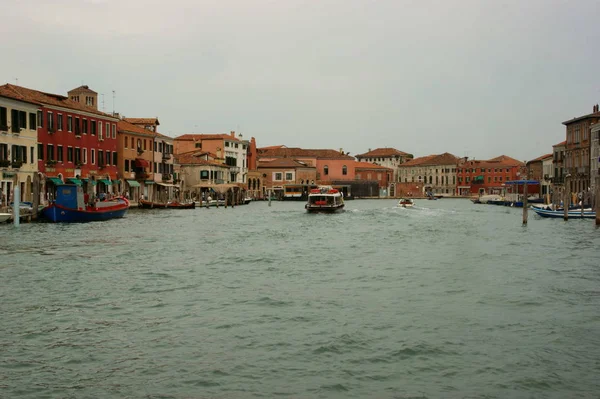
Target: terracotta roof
x,y
283,163
435,159
126,127
506,160
546,156
502,161
200,137
561,143
271,147
195,159
580,118
142,121
38,97
383,152
83,88
367,165
161,135
302,153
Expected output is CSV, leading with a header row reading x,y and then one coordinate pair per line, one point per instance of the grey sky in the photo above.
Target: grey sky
x,y
478,77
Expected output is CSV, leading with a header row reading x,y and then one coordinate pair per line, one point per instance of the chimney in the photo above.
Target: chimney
x,y
232,133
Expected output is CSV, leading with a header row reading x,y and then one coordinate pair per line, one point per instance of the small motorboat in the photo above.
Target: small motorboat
x,y
4,217
559,214
165,205
70,206
406,203
324,199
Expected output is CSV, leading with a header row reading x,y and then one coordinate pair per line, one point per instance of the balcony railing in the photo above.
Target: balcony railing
x,y
166,156
4,163
166,177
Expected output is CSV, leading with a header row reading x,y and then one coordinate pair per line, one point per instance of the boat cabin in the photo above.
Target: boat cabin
x,y
70,196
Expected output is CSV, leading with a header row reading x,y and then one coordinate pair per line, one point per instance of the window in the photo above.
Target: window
x,y
40,152
277,176
139,144
32,153
155,146
100,158
108,157
198,145
114,156
325,170
114,136
77,126
69,123
144,144
40,119
100,133
32,122
127,165
203,174
59,153
84,126
85,155
236,145
93,128
3,119
154,169
107,131
50,153
50,121
289,176
78,156
227,144
89,101
93,156
125,141
344,170
69,154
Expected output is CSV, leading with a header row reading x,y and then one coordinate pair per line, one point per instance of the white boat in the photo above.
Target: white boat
x,y
324,199
4,217
406,203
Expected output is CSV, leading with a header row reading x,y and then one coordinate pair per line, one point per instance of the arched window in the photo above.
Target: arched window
x,y
258,184
325,170
344,170
139,144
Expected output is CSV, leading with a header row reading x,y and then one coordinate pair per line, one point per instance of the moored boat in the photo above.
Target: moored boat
x,y
324,199
70,206
165,205
406,203
4,217
572,213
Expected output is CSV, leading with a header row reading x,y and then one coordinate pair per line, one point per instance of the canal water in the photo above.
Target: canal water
x,y
449,299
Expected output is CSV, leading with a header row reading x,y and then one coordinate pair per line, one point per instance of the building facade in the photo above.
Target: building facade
x,y
558,163
76,142
286,178
577,151
595,157
548,174
536,172
18,147
387,157
136,166
433,174
370,172
476,177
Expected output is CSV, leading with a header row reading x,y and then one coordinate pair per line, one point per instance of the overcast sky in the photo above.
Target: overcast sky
x,y
471,77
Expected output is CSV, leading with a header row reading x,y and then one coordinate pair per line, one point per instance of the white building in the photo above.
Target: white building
x,y
548,174
436,173
18,148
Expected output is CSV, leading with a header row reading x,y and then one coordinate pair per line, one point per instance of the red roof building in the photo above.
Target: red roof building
x,y
480,177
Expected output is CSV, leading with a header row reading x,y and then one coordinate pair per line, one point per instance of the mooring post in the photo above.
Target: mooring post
x,y
566,199
525,212
269,197
17,205
36,195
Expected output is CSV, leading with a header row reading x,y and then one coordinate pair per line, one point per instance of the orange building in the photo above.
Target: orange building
x,y
488,176
136,146
286,178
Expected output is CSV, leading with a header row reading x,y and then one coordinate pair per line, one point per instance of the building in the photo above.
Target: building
x,y
18,146
388,157
76,142
330,164
200,173
228,148
536,172
150,124
286,178
487,176
548,174
558,163
371,172
577,151
434,174
163,167
136,165
595,157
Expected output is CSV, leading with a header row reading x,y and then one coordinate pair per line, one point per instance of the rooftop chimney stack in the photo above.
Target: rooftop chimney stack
x,y
232,133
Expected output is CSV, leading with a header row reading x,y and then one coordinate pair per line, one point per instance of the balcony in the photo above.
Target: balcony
x,y
50,162
16,164
166,156
4,163
166,177
4,129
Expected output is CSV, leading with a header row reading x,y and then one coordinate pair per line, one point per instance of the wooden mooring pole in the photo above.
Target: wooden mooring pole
x,y
525,204
566,199
36,195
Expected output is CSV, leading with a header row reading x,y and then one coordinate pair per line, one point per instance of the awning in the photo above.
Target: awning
x,y
56,181
167,184
116,181
107,182
149,182
142,163
74,180
133,183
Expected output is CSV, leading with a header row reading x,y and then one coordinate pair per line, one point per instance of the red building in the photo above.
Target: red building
x,y
486,177
76,142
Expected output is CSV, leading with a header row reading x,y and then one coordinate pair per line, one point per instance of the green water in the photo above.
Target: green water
x,y
449,299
